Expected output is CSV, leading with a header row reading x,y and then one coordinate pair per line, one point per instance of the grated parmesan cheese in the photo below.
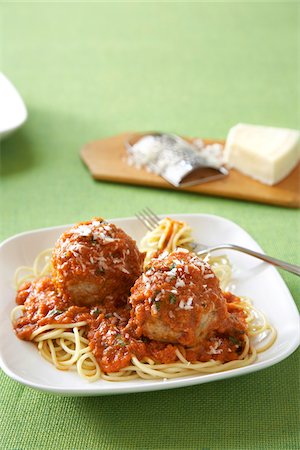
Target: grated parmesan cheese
x,y
172,272
187,305
179,283
82,230
214,349
208,275
158,153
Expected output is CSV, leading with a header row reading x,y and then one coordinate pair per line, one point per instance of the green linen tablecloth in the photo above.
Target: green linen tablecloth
x,y
90,70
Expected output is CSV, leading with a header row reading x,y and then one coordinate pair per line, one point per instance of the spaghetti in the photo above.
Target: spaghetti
x,y
68,345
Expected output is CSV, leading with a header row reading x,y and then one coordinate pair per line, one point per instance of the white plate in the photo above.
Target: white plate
x,y
13,111
261,282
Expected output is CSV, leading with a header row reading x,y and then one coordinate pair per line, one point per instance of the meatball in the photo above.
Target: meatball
x,y
94,262
177,300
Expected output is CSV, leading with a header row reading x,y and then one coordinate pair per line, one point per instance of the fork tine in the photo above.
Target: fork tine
x,y
153,215
144,221
148,218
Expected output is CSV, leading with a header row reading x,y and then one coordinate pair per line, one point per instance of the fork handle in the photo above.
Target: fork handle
x,y
269,259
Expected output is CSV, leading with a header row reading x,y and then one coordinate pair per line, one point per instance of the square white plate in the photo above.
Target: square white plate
x,y
261,282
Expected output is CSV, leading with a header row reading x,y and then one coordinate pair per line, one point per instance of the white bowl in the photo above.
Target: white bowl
x,y
13,112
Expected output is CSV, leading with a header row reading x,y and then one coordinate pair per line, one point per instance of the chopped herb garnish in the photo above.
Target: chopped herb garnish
x,y
108,315
234,340
95,312
157,304
172,298
119,340
172,266
54,312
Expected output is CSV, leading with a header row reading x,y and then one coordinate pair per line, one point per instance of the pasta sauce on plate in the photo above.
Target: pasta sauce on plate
x,y
111,334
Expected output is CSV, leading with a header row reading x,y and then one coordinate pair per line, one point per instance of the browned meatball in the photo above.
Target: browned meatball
x,y
177,300
95,262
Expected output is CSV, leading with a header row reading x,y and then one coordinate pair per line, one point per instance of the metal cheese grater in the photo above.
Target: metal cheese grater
x,y
179,162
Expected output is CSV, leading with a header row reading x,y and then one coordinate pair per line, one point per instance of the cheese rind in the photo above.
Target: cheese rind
x,y
266,154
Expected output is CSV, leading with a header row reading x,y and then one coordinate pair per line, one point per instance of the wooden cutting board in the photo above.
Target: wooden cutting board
x,y
106,160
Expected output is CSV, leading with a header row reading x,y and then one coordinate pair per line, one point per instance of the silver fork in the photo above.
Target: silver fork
x,y
151,220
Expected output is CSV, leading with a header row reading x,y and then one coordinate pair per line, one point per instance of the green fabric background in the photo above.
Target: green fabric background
x,y
90,70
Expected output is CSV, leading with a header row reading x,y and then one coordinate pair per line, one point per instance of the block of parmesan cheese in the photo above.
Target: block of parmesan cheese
x,y
267,154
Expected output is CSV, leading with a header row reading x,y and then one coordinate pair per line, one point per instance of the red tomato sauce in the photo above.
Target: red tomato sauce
x,y
113,337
